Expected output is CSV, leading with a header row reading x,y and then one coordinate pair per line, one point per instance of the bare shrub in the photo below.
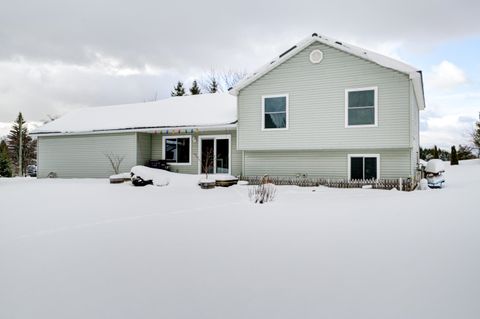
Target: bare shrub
x,y
262,193
115,160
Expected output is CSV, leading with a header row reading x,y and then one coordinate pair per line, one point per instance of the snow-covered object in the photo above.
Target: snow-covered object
x,y
223,177
387,62
435,166
157,176
423,185
206,180
203,110
121,175
435,180
422,162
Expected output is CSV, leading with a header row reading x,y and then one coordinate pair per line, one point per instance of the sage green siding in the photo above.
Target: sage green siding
x,y
317,104
144,148
236,160
394,163
415,130
84,155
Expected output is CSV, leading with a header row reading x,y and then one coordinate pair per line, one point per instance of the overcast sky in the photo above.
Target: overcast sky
x,y
56,56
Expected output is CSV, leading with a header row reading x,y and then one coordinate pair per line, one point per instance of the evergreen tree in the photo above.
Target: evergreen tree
x,y
5,162
29,146
476,135
213,87
195,89
435,152
178,90
453,156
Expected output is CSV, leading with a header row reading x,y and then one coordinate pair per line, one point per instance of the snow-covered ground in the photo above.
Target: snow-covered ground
x,y
88,249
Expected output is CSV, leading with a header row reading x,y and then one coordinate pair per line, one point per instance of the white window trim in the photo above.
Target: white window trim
x,y
375,89
349,158
286,111
174,137
215,137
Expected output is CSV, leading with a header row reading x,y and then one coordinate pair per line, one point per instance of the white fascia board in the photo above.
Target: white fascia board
x,y
149,130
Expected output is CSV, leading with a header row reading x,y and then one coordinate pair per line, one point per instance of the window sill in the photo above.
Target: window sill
x,y
275,129
359,126
179,164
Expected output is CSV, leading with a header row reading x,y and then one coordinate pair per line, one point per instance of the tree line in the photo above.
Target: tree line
x,y
213,82
464,152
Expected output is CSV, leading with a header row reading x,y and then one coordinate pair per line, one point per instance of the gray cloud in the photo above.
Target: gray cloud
x,y
204,33
58,55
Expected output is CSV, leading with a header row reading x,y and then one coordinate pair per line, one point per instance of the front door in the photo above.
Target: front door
x,y
215,155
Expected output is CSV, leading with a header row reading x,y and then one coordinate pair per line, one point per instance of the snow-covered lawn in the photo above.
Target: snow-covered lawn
x,y
88,249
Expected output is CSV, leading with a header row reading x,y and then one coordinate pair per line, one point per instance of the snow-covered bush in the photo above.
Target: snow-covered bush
x,y
262,193
423,185
142,175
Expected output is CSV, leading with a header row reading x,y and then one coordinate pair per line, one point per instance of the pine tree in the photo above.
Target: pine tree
x,y
453,156
213,87
5,162
476,135
195,89
178,90
29,146
435,152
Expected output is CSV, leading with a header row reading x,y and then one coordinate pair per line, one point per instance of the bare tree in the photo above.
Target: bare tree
x,y
206,161
50,118
230,78
115,160
221,81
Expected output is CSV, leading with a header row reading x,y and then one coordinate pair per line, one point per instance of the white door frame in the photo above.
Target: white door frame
x,y
215,138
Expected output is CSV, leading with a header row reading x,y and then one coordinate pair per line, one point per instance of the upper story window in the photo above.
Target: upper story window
x,y
177,149
361,107
275,112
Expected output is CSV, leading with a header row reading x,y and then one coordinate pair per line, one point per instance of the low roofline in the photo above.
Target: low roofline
x,y
157,129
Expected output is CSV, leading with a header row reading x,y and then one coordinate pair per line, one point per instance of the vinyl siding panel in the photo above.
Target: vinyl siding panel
x,y
317,104
415,130
236,155
144,148
394,163
84,155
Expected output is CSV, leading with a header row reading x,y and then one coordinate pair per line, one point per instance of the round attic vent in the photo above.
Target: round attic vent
x,y
316,56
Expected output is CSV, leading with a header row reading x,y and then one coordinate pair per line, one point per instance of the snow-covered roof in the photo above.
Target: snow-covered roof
x,y
203,110
387,62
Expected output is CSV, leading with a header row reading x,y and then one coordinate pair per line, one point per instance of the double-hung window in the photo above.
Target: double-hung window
x,y
275,112
177,149
364,166
361,107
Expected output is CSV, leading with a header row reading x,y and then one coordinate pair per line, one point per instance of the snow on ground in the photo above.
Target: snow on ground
x,y
88,249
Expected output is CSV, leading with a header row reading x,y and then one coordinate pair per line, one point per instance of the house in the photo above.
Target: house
x,y
323,108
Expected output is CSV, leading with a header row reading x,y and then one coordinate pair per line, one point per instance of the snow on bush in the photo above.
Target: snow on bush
x,y
157,177
423,185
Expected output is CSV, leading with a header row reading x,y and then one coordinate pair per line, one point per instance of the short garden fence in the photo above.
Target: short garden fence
x,y
404,184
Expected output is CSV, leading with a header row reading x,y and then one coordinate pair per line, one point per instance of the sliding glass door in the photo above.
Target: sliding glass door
x,y
214,154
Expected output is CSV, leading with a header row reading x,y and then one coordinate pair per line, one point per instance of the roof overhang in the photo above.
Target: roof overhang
x,y
159,129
